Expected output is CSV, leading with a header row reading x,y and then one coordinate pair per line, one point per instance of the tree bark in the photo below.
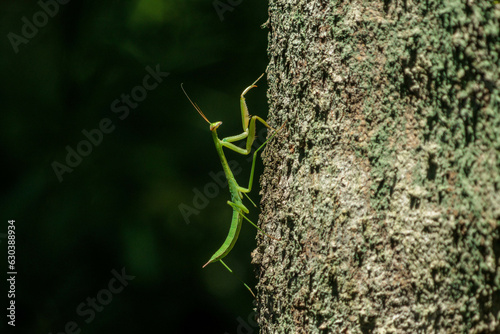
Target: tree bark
x,y
384,184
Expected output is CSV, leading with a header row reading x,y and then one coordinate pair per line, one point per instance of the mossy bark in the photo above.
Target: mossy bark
x,y
384,184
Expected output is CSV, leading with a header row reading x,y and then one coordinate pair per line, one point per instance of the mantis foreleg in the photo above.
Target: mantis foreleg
x,y
248,124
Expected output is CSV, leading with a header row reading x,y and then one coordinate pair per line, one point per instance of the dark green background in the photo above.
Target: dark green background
x,y
119,207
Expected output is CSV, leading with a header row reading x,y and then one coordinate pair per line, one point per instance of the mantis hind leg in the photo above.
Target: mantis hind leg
x,y
225,265
243,208
260,228
238,206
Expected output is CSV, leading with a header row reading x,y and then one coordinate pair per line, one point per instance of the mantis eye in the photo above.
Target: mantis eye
x,y
215,125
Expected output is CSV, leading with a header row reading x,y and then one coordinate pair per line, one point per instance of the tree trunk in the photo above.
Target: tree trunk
x,y
384,184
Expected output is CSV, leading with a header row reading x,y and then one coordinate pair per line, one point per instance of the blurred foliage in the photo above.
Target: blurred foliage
x,y
119,206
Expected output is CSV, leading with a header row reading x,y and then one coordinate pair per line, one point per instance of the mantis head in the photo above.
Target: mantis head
x,y
213,126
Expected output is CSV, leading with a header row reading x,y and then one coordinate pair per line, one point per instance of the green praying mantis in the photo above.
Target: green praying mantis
x,y
237,192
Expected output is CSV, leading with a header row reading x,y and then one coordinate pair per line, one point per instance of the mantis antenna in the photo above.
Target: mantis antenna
x,y
195,105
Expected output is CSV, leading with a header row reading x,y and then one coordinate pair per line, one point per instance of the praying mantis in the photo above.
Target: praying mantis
x,y
237,191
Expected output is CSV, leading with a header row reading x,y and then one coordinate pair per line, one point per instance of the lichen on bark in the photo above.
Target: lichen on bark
x,y
384,184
